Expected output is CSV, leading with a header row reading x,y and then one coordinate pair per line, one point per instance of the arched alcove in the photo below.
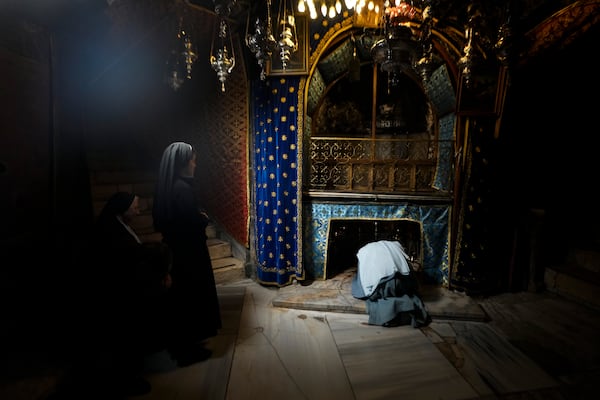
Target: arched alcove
x,y
375,151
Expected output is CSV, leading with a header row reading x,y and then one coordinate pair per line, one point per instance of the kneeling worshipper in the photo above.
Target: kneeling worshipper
x,y
387,283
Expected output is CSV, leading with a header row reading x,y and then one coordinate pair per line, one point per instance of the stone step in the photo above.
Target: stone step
x,y
230,274
226,268
211,231
576,284
224,262
218,248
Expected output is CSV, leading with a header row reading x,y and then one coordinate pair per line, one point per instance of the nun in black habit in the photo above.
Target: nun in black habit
x,y
129,283
176,214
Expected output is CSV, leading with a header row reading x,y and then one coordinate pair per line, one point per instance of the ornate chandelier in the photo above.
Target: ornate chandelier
x,y
396,51
262,43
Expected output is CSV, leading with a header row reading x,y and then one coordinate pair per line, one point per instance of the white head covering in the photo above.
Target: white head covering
x,y
379,260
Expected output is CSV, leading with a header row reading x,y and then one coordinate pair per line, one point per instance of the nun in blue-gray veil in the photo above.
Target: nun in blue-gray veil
x,y
176,214
388,285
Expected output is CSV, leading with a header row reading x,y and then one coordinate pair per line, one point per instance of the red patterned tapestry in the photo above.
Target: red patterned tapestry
x,y
221,138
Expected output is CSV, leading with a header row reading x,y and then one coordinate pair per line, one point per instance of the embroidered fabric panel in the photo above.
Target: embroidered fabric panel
x,y
336,63
440,91
443,175
315,90
276,171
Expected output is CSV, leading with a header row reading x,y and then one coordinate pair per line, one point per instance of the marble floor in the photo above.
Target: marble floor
x,y
311,340
335,294
513,346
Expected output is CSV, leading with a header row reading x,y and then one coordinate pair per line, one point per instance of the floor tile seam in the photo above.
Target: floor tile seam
x,y
339,354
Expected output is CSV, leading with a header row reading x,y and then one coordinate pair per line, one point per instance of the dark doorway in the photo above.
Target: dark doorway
x,y
347,236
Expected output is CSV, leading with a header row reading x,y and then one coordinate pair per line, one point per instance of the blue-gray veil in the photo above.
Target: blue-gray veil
x,y
175,157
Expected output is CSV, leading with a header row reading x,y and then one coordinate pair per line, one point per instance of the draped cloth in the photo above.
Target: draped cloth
x,y
378,260
276,170
386,282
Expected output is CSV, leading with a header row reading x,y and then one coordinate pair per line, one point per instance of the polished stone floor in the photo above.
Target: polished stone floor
x,y
335,295
514,346
311,340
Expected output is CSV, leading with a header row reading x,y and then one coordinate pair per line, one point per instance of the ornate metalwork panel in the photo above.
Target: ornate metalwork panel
x,y
391,165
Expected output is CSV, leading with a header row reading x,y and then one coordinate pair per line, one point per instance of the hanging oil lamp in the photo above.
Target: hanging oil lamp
x,y
222,62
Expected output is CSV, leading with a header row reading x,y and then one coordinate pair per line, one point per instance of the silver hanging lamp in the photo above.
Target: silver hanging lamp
x,y
262,43
286,28
222,62
182,58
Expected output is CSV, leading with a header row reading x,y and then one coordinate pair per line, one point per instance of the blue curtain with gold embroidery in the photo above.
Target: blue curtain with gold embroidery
x,y
275,116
